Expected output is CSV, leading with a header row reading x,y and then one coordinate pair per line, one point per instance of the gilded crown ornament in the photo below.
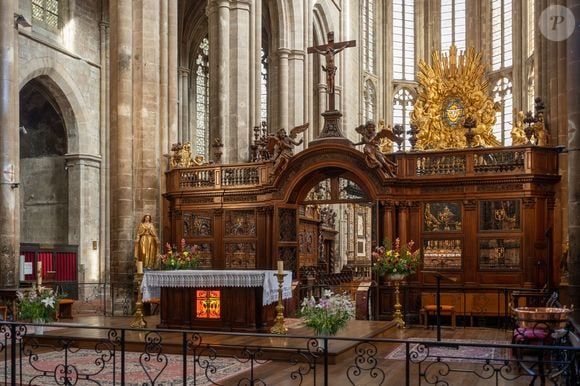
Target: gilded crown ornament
x,y
452,89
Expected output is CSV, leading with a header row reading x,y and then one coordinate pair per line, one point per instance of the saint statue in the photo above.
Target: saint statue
x,y
147,243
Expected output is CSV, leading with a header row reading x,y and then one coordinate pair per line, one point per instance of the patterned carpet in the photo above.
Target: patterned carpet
x,y
467,354
88,367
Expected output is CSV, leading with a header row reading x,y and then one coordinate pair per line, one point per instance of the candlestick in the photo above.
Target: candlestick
x,y
139,321
279,326
39,273
280,267
139,267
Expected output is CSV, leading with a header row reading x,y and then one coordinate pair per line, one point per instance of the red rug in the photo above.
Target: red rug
x,y
88,367
469,354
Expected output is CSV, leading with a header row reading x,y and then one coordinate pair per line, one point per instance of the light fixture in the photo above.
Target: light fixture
x,y
19,19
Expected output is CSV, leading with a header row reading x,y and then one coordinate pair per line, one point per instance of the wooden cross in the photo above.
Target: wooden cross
x,y
329,50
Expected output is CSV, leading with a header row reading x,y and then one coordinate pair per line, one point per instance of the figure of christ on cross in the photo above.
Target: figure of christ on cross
x,y
329,50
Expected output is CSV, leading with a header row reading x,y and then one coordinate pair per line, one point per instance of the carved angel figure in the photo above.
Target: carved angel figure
x,y
518,133
281,146
372,150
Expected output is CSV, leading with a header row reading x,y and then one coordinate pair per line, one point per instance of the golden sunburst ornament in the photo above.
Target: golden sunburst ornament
x,y
451,90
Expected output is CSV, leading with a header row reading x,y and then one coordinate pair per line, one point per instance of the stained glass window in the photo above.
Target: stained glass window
x,y
202,99
402,107
501,34
45,11
368,36
502,93
403,40
264,87
452,24
369,102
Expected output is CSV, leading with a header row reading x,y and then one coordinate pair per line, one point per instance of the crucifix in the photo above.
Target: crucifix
x,y
329,50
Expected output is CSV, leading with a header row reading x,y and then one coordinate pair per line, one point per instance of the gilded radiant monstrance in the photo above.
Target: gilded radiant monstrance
x,y
452,89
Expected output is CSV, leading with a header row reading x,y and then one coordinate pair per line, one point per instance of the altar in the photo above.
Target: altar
x,y
225,300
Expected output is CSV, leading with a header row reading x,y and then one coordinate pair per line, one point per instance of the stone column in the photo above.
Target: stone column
x,y
84,168
239,124
573,98
171,133
296,108
219,68
10,147
256,63
283,88
103,241
184,129
121,145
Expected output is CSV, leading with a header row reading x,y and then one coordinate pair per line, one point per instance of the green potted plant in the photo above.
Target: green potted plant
x,y
328,314
38,305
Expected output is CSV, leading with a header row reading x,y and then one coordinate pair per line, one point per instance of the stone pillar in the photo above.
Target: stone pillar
x,y
103,241
256,64
184,129
239,124
283,88
573,98
85,169
171,133
219,40
9,147
121,145
296,108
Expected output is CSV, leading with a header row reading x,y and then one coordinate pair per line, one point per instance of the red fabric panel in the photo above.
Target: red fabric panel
x,y
66,266
47,262
29,258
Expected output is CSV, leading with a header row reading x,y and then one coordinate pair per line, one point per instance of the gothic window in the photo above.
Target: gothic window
x,y
202,99
502,93
501,34
402,107
46,12
264,86
452,24
368,38
369,101
403,40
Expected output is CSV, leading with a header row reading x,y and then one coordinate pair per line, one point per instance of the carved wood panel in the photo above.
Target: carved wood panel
x,y
197,225
240,223
287,224
308,246
240,255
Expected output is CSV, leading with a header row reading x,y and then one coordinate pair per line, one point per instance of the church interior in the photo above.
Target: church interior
x,y
211,165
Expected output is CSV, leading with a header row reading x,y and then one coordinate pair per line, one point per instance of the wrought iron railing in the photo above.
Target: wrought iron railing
x,y
86,354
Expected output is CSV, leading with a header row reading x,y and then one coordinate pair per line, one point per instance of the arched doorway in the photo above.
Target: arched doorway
x,y
44,181
45,186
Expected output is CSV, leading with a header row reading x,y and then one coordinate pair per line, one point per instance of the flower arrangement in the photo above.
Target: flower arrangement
x,y
396,259
328,314
38,304
187,257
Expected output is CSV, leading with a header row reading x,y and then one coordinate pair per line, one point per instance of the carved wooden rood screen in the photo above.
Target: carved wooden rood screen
x,y
480,214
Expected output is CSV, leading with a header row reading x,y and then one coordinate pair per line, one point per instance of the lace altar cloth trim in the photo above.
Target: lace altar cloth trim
x,y
154,280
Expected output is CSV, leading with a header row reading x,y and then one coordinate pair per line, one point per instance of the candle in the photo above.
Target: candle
x,y
139,267
280,267
39,273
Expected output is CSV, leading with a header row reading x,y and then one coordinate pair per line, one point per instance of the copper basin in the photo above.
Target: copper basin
x,y
542,317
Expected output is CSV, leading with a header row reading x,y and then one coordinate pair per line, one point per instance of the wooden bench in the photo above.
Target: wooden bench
x,y
431,309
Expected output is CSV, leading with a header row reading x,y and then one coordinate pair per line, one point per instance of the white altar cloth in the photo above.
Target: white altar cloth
x,y
154,280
